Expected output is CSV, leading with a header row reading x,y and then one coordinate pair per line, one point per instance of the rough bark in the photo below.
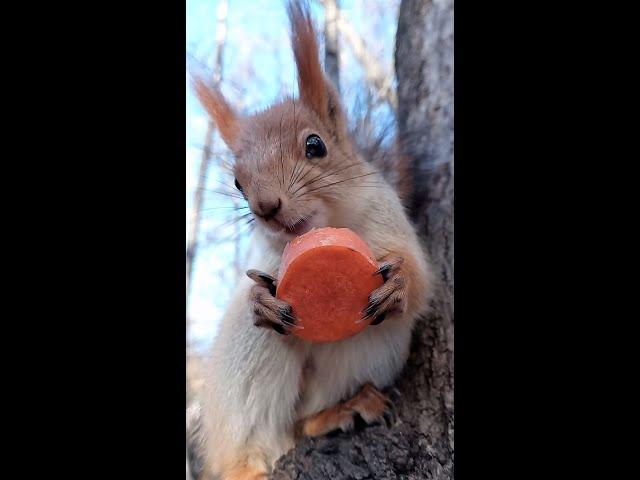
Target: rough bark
x,y
420,443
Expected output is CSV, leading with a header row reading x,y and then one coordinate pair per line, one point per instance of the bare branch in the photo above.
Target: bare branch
x,y
331,47
192,246
376,75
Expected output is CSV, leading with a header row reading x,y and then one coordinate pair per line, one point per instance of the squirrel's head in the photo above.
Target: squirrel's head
x,y
294,162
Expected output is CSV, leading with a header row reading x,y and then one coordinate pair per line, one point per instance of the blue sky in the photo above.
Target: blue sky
x,y
257,70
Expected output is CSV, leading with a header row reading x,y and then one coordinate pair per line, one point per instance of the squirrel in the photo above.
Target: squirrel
x,y
298,168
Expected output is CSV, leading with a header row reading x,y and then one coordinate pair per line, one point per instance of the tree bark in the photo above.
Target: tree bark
x,y
420,443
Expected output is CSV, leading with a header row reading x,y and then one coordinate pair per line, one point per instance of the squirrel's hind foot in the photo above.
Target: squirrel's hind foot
x,y
371,405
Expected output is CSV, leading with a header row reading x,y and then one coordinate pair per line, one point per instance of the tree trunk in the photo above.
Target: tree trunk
x,y
420,443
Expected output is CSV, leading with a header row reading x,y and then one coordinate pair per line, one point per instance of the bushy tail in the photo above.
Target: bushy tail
x,y
384,151
195,442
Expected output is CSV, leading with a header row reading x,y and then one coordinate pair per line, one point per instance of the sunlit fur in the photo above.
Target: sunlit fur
x,y
260,383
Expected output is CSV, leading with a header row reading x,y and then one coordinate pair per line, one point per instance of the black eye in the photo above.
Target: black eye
x,y
315,147
238,185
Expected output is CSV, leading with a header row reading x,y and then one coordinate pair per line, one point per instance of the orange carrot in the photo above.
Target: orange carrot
x,y
327,275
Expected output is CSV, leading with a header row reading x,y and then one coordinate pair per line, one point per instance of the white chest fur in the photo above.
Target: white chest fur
x,y
337,370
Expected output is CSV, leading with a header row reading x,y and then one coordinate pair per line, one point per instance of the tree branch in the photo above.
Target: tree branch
x,y
375,74
192,246
331,47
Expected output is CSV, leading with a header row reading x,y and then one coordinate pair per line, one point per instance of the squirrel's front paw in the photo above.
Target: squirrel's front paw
x,y
391,297
267,310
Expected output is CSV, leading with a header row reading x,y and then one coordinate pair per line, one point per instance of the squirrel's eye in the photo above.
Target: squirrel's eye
x,y
315,147
238,186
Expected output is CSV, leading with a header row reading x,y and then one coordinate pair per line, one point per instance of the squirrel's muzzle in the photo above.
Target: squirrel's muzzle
x,y
266,208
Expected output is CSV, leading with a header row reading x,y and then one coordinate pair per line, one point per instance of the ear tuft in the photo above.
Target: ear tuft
x,y
219,110
315,91
311,82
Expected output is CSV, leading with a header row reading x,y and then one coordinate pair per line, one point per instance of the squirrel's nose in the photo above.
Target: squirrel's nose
x,y
268,209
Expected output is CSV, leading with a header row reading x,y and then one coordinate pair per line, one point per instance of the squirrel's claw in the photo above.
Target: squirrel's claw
x,y
379,319
371,405
391,296
389,267
268,311
263,279
286,317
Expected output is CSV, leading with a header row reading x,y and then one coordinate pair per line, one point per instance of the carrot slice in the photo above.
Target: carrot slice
x,y
327,275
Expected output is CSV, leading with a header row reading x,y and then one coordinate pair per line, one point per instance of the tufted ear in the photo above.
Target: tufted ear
x,y
219,110
315,90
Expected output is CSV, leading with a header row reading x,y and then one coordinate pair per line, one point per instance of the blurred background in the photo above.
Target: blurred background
x,y
243,46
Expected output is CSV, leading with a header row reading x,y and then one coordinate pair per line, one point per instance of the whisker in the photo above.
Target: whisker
x,y
336,183
214,153
226,194
218,159
222,208
368,185
294,181
295,138
294,173
323,175
224,184
229,238
249,229
232,221
206,214
295,176
281,159
310,169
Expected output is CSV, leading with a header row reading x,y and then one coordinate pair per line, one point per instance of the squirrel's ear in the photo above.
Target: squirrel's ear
x,y
315,91
219,110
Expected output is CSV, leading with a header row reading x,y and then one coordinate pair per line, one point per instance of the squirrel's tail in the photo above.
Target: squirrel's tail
x,y
195,442
384,151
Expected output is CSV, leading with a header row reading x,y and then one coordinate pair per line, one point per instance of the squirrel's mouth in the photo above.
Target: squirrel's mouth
x,y
303,225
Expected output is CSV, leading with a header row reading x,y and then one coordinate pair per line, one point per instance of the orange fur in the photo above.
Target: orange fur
x,y
245,472
311,81
339,416
415,283
220,111
245,464
402,178
316,92
369,403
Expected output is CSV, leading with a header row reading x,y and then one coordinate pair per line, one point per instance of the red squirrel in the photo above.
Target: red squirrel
x,y
298,169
